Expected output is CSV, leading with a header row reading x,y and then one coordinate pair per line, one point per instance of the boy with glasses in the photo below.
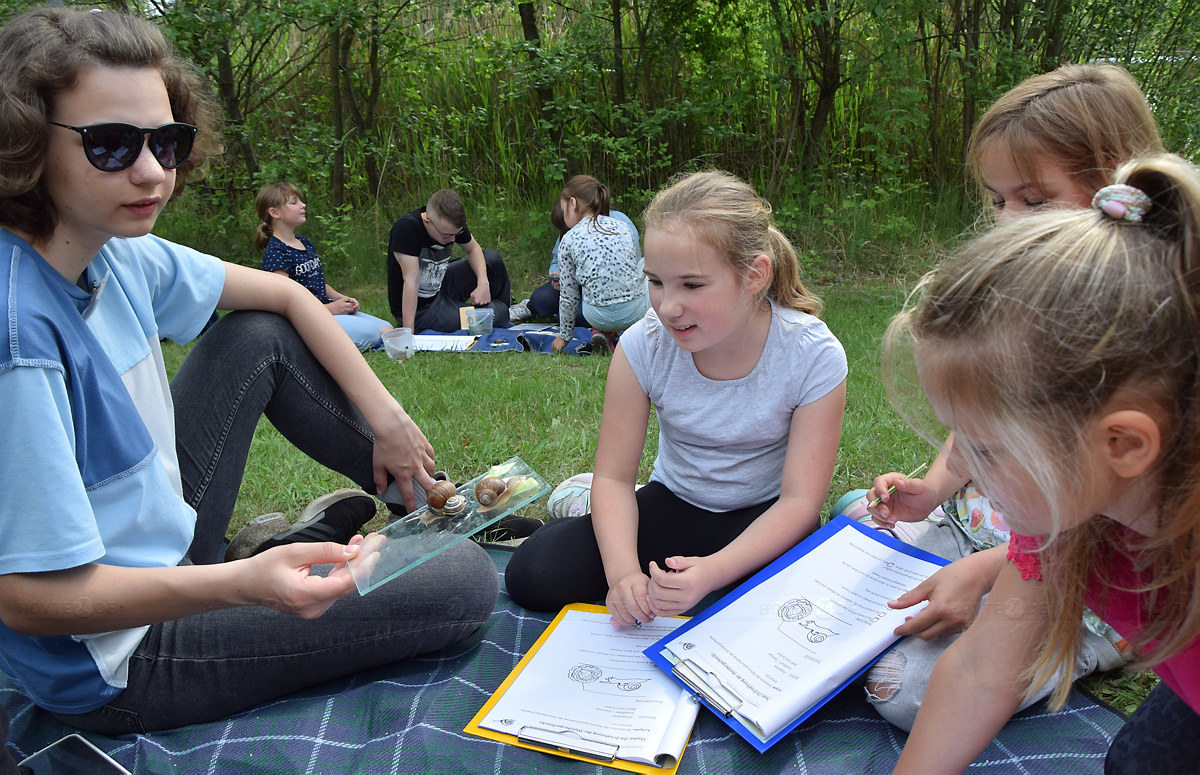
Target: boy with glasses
x,y
425,287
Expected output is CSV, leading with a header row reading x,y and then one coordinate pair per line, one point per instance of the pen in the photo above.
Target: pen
x,y
892,489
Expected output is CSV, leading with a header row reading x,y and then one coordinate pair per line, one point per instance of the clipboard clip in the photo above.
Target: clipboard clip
x,y
566,741
707,685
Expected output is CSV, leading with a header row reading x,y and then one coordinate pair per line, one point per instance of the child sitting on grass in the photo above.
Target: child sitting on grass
x,y
749,387
281,210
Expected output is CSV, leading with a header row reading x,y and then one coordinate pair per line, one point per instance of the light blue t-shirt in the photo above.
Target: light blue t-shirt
x,y
88,470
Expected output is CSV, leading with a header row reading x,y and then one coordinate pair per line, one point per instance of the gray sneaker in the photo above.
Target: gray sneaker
x,y
253,534
520,312
333,517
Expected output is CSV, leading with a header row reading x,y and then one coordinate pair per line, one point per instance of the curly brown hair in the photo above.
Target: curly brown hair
x,y
42,53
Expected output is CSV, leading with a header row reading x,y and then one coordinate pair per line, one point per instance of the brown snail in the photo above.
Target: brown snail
x,y
439,494
492,492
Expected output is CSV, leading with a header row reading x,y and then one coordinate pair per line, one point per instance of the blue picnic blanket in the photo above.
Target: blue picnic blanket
x,y
409,717
522,339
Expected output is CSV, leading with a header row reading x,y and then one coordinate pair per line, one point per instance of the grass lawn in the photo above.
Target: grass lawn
x,y
481,409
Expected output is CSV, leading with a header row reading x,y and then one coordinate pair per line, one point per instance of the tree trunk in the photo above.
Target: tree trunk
x,y
969,29
618,53
363,110
337,175
234,117
796,108
544,94
827,66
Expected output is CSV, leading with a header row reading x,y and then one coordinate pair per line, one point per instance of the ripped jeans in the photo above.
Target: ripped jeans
x,y
896,684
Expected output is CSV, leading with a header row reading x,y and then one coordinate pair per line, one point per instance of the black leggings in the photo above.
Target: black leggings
x,y
1162,737
561,564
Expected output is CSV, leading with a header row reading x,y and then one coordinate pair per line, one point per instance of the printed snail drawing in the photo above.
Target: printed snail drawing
x,y
584,674
800,613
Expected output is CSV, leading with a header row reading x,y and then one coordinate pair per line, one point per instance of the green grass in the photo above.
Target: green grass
x,y
481,409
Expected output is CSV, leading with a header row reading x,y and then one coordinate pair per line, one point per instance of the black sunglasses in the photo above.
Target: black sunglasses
x,y
113,147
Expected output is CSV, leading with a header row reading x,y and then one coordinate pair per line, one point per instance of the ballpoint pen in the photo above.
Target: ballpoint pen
x,y
892,489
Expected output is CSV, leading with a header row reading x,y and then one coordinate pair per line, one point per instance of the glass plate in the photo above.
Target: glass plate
x,y
411,540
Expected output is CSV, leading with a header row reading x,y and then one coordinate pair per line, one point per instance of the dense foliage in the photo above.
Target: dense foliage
x,y
843,112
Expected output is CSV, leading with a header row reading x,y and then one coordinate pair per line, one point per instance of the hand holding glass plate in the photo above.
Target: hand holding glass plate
x,y
411,540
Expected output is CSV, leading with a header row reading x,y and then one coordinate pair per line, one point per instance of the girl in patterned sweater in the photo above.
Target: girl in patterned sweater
x,y
599,264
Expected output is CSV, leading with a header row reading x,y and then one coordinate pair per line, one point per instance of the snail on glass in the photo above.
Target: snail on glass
x,y
492,491
439,495
444,501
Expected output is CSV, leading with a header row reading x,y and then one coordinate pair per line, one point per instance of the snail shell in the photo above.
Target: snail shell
x,y
493,492
438,495
454,506
490,490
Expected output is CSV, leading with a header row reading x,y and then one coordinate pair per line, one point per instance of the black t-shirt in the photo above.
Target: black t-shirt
x,y
410,237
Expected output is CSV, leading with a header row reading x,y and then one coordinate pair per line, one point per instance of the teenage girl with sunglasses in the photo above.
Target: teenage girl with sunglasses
x,y
1051,142
1080,419
115,488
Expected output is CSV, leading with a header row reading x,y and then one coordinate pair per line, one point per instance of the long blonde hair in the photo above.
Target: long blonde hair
x,y
274,195
1087,119
1034,327
726,213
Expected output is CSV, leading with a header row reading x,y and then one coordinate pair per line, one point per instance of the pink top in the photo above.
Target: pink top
x,y
1109,597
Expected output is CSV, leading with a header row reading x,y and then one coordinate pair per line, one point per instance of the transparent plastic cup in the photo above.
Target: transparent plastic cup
x,y
479,321
400,344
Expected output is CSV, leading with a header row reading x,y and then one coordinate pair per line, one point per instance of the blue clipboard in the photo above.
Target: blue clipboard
x,y
718,696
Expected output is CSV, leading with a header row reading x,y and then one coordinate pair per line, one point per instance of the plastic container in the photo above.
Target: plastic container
x,y
479,321
400,344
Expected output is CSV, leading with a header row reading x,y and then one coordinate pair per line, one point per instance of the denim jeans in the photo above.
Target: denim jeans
x,y
544,302
249,365
207,666
441,312
618,317
896,684
363,329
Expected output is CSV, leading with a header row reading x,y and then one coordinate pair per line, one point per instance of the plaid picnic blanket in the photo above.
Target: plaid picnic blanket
x,y
409,717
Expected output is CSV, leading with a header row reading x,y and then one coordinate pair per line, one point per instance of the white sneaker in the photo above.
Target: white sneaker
x,y
520,313
571,498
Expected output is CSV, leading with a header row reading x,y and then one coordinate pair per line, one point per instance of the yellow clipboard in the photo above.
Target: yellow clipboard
x,y
561,747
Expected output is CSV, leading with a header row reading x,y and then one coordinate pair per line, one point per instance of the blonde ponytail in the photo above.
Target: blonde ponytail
x,y
727,214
